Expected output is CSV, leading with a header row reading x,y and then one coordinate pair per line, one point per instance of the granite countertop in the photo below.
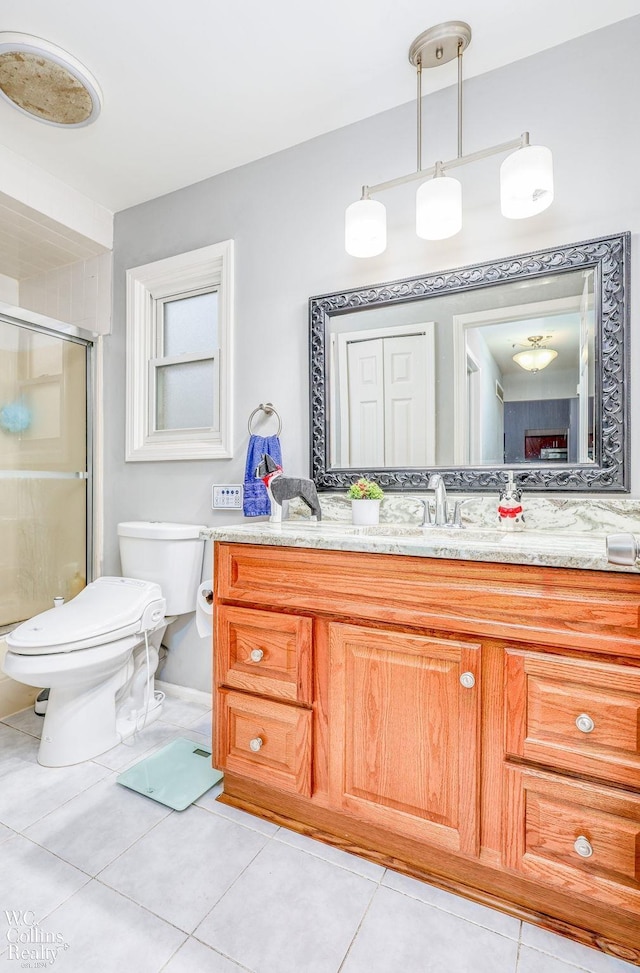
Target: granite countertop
x,y
551,548
561,532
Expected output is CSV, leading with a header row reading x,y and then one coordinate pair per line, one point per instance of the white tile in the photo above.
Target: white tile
x,y
209,802
64,294
289,912
15,746
93,829
29,791
77,291
184,865
331,854
185,712
34,879
27,721
150,738
531,961
193,957
455,904
403,934
107,932
203,724
571,952
5,833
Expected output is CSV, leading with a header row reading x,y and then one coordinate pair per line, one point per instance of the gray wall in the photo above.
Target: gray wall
x,y
285,213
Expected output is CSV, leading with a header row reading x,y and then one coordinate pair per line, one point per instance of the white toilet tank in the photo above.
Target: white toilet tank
x,y
169,554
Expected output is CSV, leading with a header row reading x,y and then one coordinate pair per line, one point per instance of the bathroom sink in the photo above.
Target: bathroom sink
x,y
485,543
311,527
392,530
480,537
564,542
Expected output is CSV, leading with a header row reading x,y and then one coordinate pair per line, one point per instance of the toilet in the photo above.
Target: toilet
x,y
98,653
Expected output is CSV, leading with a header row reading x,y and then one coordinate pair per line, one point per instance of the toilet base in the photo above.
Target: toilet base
x,y
82,722
78,726
138,720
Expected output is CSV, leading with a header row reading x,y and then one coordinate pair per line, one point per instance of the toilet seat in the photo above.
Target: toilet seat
x,y
107,610
77,662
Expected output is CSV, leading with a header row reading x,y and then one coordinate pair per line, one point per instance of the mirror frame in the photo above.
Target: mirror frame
x,y
610,259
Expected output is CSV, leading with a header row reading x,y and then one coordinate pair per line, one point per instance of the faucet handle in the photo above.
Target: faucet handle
x,y
457,512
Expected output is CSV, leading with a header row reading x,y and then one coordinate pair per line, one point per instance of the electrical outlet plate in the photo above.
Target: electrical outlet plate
x,y
227,496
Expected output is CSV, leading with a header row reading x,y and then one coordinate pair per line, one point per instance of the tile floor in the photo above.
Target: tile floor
x,y
128,885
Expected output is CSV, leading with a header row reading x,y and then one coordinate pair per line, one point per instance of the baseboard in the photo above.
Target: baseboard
x,y
184,692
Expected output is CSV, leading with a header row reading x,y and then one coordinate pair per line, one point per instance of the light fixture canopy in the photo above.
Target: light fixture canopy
x,y
43,81
535,358
526,176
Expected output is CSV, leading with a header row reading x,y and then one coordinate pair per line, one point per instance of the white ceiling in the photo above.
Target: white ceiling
x,y
198,87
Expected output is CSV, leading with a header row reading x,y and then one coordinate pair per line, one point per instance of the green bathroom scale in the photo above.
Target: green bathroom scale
x,y
175,776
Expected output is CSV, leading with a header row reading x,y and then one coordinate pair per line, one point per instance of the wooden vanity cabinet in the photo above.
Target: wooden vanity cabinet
x,y
475,725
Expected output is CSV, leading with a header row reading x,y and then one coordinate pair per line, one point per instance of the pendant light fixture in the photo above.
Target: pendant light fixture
x,y
534,359
526,175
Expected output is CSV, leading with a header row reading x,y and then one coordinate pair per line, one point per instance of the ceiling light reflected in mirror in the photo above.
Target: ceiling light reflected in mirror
x,y
535,358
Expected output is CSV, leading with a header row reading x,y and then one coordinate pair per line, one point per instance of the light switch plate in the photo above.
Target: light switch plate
x,y
227,496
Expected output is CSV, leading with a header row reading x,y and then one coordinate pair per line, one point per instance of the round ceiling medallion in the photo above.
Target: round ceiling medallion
x,y
45,82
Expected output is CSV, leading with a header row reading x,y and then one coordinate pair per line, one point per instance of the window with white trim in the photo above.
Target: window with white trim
x,y
179,343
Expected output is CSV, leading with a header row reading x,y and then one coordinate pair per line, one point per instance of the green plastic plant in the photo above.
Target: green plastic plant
x,y
365,490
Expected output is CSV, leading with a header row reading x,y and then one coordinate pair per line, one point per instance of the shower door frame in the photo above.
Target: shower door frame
x,y
57,329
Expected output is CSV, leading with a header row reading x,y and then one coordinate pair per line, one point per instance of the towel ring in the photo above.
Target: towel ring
x,y
267,408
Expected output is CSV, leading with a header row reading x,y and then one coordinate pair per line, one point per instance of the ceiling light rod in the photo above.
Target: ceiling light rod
x,y
439,167
419,103
526,175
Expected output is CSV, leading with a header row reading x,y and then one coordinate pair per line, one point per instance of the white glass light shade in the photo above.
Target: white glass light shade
x,y
535,359
365,228
439,208
526,182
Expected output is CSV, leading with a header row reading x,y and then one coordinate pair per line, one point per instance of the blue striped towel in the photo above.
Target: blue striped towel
x,y
256,499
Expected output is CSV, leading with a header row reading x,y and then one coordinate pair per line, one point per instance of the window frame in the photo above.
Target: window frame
x,y
148,288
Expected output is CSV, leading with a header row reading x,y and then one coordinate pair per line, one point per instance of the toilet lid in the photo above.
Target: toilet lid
x,y
104,607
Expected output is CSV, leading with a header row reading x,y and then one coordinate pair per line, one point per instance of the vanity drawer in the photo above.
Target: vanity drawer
x,y
576,715
578,837
264,652
266,741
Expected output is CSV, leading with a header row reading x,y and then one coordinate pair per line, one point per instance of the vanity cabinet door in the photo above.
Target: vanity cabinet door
x,y
404,715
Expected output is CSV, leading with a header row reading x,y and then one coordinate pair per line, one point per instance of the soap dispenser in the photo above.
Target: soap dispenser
x,y
510,512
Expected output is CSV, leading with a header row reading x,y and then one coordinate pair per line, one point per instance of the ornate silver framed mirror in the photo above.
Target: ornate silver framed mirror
x,y
517,364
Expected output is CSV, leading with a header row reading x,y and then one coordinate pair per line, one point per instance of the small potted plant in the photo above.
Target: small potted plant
x,y
365,496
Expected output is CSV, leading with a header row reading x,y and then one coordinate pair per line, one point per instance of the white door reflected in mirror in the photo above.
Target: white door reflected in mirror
x,y
409,393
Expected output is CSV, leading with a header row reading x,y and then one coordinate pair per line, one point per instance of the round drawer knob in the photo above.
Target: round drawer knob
x,y
257,655
255,744
468,680
584,723
582,847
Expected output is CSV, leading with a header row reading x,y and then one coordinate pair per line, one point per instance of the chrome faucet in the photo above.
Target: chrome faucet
x,y
436,483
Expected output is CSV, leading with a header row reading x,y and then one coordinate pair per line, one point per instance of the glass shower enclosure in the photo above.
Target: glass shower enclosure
x,y
45,464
